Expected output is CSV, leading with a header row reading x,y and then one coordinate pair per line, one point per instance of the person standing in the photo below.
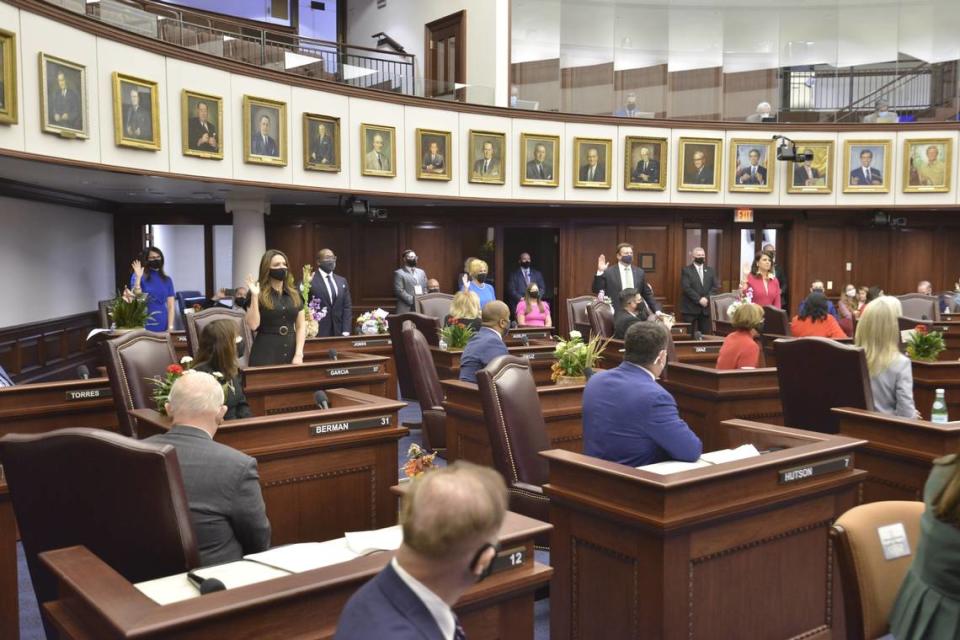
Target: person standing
x,y
779,272
614,278
476,280
335,294
409,281
520,279
275,313
157,286
698,282
762,282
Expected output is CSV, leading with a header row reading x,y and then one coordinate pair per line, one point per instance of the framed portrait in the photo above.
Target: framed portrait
x,y
812,176
698,164
321,143
63,97
202,118
8,77
378,150
264,131
488,162
927,165
540,165
752,166
433,155
592,163
866,166
136,112
645,163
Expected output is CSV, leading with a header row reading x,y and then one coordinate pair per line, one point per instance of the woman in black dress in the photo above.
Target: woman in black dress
x,y
217,354
275,313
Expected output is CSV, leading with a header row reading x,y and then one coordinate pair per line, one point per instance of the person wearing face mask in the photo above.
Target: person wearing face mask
x,y
698,282
149,278
532,311
817,287
409,281
332,289
487,344
520,280
628,417
614,278
632,309
740,349
217,353
275,313
848,309
451,519
476,280
433,285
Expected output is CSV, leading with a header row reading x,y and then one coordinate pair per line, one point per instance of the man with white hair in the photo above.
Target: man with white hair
x,y
764,110
222,484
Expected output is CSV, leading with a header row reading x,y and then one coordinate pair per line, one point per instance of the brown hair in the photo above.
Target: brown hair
x,y
755,267
946,506
218,347
624,245
266,298
747,316
527,299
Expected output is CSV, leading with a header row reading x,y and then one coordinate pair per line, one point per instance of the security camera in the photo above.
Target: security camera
x,y
787,150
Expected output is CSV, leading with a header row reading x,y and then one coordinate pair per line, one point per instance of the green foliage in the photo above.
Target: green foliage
x,y
129,311
925,345
575,355
457,335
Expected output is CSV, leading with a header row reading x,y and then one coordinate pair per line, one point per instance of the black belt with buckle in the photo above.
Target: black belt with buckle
x,y
282,330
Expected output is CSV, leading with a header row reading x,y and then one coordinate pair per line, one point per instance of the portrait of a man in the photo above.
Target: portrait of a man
x,y
136,116
541,155
433,151
262,143
750,166
927,165
379,150
866,166
486,150
203,115
64,101
813,174
321,142
643,166
8,77
265,131
591,161
135,112
698,164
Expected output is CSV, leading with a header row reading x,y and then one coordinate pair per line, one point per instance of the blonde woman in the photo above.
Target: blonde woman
x,y
465,310
891,378
275,313
475,280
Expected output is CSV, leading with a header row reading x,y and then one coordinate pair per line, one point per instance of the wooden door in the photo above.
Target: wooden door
x,y
445,53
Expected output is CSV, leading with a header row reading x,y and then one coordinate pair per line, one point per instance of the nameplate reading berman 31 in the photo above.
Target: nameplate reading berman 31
x,y
328,428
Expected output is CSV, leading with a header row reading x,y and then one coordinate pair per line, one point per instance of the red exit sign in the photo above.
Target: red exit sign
x,y
743,215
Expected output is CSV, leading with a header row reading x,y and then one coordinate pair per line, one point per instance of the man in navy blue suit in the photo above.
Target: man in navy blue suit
x,y
451,519
488,343
335,294
519,280
627,416
262,144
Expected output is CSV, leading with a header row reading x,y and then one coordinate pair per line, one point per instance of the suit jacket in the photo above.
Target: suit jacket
x,y
693,289
482,348
223,491
138,119
623,319
321,150
534,174
800,175
652,171
744,175
65,103
370,161
609,282
517,287
261,147
386,608
339,318
432,163
405,282
195,131
704,176
492,170
875,176
598,173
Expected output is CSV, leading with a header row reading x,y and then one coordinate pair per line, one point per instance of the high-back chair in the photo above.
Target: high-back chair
x,y
577,311
103,313
428,326
718,309
133,360
122,499
427,386
870,581
435,305
600,315
776,321
197,321
920,307
817,375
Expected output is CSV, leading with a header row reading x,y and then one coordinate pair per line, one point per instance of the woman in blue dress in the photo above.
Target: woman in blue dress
x,y
148,277
476,281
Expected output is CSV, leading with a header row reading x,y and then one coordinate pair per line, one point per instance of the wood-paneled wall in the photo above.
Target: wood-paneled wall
x,y
50,350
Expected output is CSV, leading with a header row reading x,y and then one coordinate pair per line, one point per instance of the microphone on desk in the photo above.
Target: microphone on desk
x,y
83,372
924,317
205,585
524,339
332,354
321,400
697,335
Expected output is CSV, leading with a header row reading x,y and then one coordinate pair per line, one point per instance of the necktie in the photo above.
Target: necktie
x,y
332,288
540,170
590,175
644,169
700,273
486,166
753,171
526,276
458,632
866,173
379,161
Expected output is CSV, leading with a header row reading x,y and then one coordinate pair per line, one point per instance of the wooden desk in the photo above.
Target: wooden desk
x,y
180,345
951,337
9,587
290,387
899,452
727,551
540,355
532,333
46,406
930,376
316,487
379,345
467,438
96,603
701,352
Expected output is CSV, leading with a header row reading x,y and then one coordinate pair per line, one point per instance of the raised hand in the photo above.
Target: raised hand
x,y
137,268
602,263
253,285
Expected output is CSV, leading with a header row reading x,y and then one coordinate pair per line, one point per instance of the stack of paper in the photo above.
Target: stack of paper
x,y
364,542
306,556
232,574
713,457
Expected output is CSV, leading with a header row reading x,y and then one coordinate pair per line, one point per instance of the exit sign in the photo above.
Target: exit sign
x,y
743,215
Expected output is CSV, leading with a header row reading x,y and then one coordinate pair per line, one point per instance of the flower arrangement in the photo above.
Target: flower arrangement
x,y
604,298
575,355
924,345
129,310
372,322
456,335
162,385
745,297
305,287
418,461
316,310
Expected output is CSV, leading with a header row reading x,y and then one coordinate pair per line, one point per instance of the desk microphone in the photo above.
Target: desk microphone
x,y
332,354
587,372
697,335
320,398
205,585
83,372
524,339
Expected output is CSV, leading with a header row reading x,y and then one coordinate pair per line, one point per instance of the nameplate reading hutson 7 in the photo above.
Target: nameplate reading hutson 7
x,y
327,428
338,372
88,394
815,469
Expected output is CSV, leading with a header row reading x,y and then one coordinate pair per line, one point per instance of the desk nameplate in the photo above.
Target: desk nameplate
x,y
88,394
339,372
509,559
542,355
815,469
326,428
706,349
373,342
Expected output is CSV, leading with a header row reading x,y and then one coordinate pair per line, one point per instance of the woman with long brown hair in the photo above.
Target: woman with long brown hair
x,y
217,354
532,311
275,313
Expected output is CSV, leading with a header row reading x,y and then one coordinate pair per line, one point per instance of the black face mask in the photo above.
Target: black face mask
x,y
535,295
481,278
433,290
328,265
411,262
156,263
240,301
699,260
525,264
626,259
278,274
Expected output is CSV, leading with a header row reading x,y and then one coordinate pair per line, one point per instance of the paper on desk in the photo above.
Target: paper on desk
x,y
232,574
305,556
364,542
730,455
672,466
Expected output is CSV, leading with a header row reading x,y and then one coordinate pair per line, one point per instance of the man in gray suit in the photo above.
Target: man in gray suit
x,y
377,159
222,484
409,281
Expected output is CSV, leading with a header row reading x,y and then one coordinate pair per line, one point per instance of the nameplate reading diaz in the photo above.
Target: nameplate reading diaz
x,y
534,335
705,349
371,343
328,428
88,394
338,372
509,559
815,469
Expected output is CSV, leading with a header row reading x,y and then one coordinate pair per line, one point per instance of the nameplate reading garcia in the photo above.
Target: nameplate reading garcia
x,y
813,470
88,394
339,372
328,428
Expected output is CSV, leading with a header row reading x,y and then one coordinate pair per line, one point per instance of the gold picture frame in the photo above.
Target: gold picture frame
x,y
647,174
8,77
692,176
63,97
136,112
853,158
753,166
819,178
430,165
923,173
536,171
581,163
372,157
264,143
202,127
483,170
321,153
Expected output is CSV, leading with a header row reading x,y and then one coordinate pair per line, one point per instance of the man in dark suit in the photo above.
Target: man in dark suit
x,y
806,175
520,279
222,484
262,144
538,169
451,519
487,344
335,294
865,175
136,122
202,133
593,171
488,165
321,147
632,309
753,173
63,105
700,172
433,160
614,278
698,282
647,170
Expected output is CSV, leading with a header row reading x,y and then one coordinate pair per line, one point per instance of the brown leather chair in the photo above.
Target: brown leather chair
x,y
718,309
435,305
427,385
103,313
600,315
122,499
870,581
195,322
577,311
518,433
133,359
428,326
776,321
919,306
816,375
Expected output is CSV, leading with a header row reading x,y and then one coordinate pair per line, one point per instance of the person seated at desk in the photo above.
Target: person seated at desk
x,y
628,417
222,484
928,604
817,287
217,354
814,319
488,343
891,375
740,349
433,285
632,309
532,311
451,518
465,310
239,300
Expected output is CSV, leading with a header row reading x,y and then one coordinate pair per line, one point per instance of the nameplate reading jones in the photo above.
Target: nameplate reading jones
x,y
88,394
339,372
327,428
814,469
371,343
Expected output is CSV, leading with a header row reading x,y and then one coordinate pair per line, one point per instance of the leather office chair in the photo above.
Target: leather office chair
x,y
718,309
133,359
122,499
816,375
577,312
518,433
871,582
428,326
427,386
600,315
776,321
197,321
103,313
435,305
185,300
921,307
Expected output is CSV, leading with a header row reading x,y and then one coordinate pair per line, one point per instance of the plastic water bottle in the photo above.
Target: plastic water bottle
x,y
442,344
938,413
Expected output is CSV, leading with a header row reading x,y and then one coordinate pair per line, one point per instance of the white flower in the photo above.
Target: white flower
x,y
217,374
187,372
575,334
380,313
186,360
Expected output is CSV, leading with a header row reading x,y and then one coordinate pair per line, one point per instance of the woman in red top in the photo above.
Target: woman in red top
x,y
762,282
815,321
740,350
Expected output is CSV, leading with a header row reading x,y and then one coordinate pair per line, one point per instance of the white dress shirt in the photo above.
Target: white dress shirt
x,y
626,276
440,610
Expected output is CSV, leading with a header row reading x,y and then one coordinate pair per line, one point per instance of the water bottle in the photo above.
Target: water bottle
x,y
442,344
938,413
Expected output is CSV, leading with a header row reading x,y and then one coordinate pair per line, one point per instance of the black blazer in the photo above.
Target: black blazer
x,y
196,131
622,321
609,282
598,174
339,316
235,400
652,171
693,289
